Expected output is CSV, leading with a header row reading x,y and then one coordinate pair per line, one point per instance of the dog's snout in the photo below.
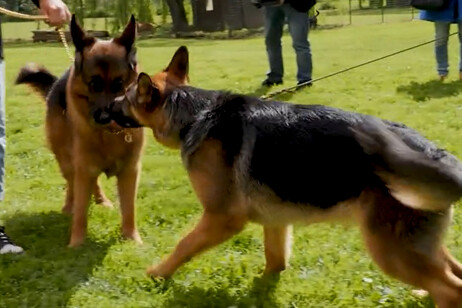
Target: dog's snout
x,y
101,116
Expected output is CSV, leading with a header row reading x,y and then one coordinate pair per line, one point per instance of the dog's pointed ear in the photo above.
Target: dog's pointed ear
x,y
79,37
128,36
80,40
127,40
144,88
179,65
147,93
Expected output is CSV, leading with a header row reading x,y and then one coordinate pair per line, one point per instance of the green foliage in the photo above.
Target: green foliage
x,y
142,9
326,5
78,8
329,266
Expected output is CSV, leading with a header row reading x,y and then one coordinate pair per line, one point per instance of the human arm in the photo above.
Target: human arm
x,y
56,10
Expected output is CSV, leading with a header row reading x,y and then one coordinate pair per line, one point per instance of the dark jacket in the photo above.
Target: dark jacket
x,y
302,5
452,13
36,2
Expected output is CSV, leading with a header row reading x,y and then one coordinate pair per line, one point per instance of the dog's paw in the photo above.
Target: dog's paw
x,y
419,293
102,200
158,271
105,203
133,235
75,242
274,268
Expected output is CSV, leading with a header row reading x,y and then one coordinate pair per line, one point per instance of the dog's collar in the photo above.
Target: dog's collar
x,y
128,138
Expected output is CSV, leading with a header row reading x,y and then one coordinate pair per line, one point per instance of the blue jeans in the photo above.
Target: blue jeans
x,y
441,46
2,128
275,17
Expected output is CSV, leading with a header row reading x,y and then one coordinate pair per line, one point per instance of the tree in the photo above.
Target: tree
x,y
90,7
77,7
122,10
144,10
178,13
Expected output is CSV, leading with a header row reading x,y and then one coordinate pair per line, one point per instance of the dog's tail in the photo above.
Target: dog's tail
x,y
37,77
412,177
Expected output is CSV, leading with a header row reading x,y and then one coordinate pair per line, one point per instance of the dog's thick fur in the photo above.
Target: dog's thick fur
x,y
79,130
277,163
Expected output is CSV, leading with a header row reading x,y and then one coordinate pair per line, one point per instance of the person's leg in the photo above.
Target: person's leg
x,y
299,25
274,23
6,245
441,48
2,128
460,52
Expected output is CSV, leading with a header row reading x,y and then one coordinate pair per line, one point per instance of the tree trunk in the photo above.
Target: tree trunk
x,y
178,13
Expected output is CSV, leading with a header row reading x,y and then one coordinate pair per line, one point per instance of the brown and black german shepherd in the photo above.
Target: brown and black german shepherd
x,y
79,131
277,164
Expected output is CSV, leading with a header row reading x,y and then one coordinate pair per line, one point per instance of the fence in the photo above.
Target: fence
x,y
356,12
237,14
233,15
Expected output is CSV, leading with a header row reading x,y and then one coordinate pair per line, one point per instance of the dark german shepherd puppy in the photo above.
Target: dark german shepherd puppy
x,y
277,164
80,133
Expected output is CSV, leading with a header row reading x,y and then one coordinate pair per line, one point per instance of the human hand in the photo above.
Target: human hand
x,y
56,11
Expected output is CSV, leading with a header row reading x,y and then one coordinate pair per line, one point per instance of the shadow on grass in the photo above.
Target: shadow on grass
x,y
46,274
430,89
261,294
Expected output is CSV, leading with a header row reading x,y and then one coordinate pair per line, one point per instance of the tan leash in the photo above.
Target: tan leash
x,y
60,30
22,16
62,36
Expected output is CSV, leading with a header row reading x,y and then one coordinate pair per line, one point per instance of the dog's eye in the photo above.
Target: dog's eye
x,y
117,85
96,84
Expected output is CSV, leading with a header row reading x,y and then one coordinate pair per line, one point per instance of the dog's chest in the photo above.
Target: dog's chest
x,y
115,153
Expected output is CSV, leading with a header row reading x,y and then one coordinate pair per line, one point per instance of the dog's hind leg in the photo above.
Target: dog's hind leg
x,y
427,272
100,197
278,241
127,182
407,245
68,203
60,141
67,171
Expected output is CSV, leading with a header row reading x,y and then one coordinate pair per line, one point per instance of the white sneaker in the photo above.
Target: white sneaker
x,y
6,245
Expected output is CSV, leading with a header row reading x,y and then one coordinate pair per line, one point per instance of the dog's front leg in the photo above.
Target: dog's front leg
x,y
213,229
84,182
127,183
278,241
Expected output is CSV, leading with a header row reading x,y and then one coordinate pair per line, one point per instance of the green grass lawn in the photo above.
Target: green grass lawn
x,y
329,266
